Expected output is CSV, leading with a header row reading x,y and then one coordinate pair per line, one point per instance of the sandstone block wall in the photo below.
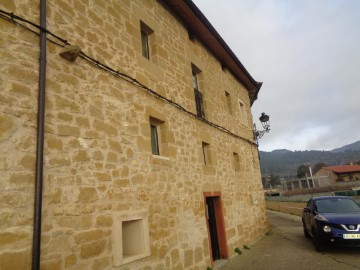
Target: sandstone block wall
x,y
98,161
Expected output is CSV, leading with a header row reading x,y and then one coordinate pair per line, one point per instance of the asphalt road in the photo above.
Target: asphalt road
x,y
287,248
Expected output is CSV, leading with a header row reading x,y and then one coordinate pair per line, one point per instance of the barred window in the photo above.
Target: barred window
x,y
198,95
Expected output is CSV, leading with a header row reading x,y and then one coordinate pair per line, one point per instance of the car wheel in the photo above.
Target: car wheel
x,y
306,234
318,243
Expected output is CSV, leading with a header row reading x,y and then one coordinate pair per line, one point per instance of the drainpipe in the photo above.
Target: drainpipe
x,y
40,142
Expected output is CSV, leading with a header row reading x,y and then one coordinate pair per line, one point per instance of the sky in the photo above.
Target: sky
x,y
307,54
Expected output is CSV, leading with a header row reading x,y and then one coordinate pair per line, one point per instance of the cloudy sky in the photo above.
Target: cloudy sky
x,y
307,54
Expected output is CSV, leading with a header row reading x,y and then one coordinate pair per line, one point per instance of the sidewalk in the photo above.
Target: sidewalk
x,y
269,253
285,247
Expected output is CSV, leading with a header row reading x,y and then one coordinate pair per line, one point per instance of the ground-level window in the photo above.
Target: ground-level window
x,y
131,236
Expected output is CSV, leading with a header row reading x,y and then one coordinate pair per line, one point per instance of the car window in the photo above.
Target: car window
x,y
337,205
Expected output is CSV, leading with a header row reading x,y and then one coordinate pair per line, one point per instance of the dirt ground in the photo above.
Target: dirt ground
x,y
293,208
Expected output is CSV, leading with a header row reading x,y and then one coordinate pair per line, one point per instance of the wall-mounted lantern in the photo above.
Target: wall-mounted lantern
x,y
265,122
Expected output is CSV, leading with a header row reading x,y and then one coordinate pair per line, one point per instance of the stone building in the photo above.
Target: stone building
x,y
344,173
148,158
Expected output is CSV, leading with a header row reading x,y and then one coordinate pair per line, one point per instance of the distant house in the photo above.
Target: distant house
x,y
345,173
331,178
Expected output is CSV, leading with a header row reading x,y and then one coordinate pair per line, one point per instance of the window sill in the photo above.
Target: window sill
x,y
160,160
160,157
131,258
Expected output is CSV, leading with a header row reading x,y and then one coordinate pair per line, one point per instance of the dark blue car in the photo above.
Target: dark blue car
x,y
332,219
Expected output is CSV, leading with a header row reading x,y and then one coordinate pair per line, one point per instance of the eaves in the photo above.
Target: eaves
x,y
199,26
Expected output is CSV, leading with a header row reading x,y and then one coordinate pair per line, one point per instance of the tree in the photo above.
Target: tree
x,y
302,170
264,182
274,180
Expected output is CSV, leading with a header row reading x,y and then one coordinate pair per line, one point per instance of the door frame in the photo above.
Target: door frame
x,y
220,225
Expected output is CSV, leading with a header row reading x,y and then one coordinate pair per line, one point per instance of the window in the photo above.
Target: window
x,y
228,102
154,140
242,113
191,35
206,153
155,133
145,32
131,236
198,95
236,162
145,45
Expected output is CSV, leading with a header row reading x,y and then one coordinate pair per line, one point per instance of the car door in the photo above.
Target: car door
x,y
308,214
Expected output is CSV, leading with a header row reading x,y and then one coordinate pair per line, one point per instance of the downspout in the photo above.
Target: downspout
x,y
40,141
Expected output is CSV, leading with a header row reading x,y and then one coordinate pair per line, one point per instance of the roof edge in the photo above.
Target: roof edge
x,y
201,26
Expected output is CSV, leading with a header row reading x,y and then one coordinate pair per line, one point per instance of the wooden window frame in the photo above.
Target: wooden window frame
x,y
145,33
155,136
155,149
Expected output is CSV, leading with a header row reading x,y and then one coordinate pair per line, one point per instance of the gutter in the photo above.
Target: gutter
x,y
40,141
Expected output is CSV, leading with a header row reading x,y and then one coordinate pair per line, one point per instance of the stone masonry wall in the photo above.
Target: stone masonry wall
x,y
98,159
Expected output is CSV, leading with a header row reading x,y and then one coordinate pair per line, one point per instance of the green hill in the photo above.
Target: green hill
x,y
285,163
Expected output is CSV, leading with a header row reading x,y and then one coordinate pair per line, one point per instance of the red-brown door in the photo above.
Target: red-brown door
x,y
215,224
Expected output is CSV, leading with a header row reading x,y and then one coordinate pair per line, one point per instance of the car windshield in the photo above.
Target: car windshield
x,y
337,205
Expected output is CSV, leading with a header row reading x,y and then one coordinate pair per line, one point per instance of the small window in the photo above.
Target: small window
x,y
154,140
242,113
145,45
236,162
228,102
155,133
191,35
198,95
206,153
145,32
